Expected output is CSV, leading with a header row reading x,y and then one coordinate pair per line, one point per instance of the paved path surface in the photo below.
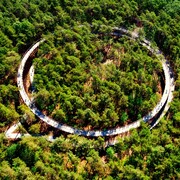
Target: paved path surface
x,y
164,102
13,135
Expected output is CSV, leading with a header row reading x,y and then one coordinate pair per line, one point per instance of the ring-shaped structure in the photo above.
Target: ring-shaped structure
x,y
166,97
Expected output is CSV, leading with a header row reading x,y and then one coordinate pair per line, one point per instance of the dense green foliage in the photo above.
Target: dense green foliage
x,y
145,154
95,81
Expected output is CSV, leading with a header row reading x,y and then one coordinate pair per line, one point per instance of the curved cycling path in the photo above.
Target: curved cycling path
x,y
161,107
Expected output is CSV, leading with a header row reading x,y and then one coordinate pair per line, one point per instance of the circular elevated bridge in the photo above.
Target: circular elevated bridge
x,y
160,109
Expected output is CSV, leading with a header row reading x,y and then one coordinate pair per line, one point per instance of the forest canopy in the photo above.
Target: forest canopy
x,y
95,80
79,54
